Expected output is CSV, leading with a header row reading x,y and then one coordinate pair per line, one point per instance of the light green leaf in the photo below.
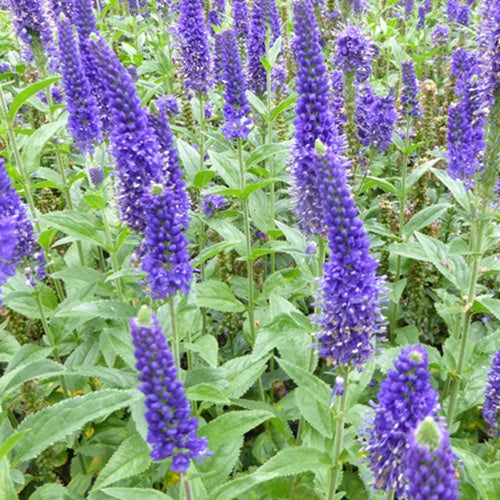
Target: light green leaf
x,y
131,458
206,393
215,294
243,373
316,412
52,492
456,188
6,485
56,422
10,442
425,217
106,309
132,494
491,305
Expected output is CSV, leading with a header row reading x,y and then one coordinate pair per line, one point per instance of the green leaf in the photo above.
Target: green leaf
x,y
190,158
95,200
106,309
316,412
26,93
201,179
263,152
131,458
207,393
257,104
283,105
6,485
396,290
415,174
79,226
215,294
132,494
243,372
56,422
371,181
456,188
10,442
232,425
206,346
491,305
226,165
423,218
213,250
53,492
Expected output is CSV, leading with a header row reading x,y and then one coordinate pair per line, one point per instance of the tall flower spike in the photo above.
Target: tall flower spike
x,y
240,17
171,431
375,118
195,53
133,141
465,120
8,242
429,463
349,289
409,97
314,120
405,398
491,408
458,12
81,104
264,14
354,53
236,108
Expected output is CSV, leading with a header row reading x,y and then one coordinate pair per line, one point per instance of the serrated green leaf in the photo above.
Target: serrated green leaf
x,y
10,442
54,423
201,179
6,485
131,458
232,425
53,492
456,188
423,218
206,393
107,309
134,494
226,165
215,294
316,412
243,373
257,104
491,305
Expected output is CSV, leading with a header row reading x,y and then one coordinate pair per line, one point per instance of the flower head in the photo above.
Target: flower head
x,y
440,35
405,398
354,53
171,431
409,97
240,15
213,203
491,408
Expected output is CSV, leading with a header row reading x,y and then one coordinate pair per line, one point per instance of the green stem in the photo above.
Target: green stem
x,y
248,241
394,308
114,261
187,488
390,495
339,438
175,336
476,245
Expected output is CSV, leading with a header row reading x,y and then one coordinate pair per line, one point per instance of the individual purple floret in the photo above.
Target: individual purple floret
x,y
236,108
349,290
375,118
134,144
491,408
465,120
96,175
409,96
195,53
429,463
354,53
264,15
81,105
166,259
171,430
240,15
213,203
314,120
440,35
405,398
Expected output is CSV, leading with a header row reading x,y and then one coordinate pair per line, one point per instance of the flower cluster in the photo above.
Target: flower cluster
x,y
458,12
349,289
354,53
337,99
491,408
134,143
171,431
80,102
195,53
409,97
429,463
236,108
440,35
375,118
240,17
465,120
314,120
212,203
96,175
405,398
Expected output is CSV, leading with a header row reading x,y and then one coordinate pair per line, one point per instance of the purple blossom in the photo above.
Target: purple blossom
x,y
81,104
314,120
429,463
405,398
134,144
354,53
171,431
440,35
236,108
213,203
491,408
195,53
96,175
409,97
457,12
240,15
349,289
8,242
337,99
264,13
422,14
4,67
375,118
58,7
170,103
213,19
409,6
465,120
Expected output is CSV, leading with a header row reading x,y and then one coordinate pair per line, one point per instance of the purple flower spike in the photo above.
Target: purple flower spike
x,y
349,289
213,203
354,53
81,104
458,12
429,463
236,107
171,431
405,398
134,143
240,14
409,97
314,120
8,242
440,35
491,408
195,53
